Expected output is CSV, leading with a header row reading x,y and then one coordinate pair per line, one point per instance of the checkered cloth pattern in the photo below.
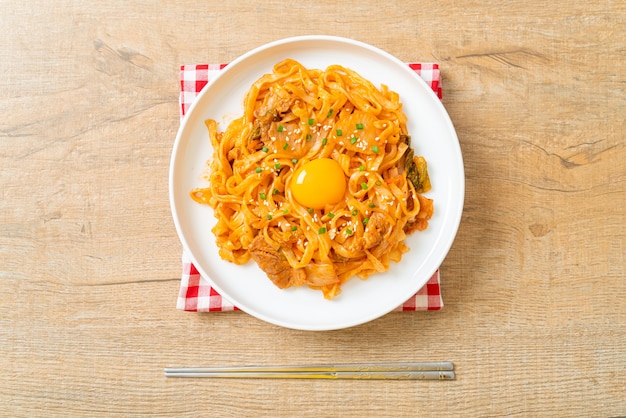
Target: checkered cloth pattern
x,y
196,293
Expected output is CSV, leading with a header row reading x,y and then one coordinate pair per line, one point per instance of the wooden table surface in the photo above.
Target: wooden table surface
x,y
534,285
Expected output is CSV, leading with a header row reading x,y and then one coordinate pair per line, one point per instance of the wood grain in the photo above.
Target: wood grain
x,y
534,286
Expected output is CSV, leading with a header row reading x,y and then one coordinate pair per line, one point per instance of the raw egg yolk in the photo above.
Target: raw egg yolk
x,y
318,183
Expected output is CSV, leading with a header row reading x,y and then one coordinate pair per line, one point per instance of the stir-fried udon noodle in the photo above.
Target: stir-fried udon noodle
x,y
301,221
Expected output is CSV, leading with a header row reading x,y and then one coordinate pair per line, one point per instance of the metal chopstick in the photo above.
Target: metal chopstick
x,y
425,375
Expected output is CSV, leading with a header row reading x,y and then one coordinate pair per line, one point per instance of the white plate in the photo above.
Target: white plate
x,y
360,301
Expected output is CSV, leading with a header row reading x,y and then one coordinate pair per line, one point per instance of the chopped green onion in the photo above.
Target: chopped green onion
x,y
371,205
277,166
338,132
362,168
349,231
310,210
321,231
275,191
285,211
330,215
324,141
311,122
281,128
293,228
355,212
294,160
364,186
269,217
285,146
330,113
365,221
258,169
375,149
308,137
359,126
265,149
262,196
353,140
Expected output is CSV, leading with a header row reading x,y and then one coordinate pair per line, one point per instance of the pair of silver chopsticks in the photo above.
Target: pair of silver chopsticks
x,y
436,370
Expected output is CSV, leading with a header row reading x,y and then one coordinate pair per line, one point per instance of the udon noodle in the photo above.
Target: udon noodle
x,y
292,117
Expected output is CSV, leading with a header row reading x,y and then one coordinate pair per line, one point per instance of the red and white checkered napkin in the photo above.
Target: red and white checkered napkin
x,y
196,293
